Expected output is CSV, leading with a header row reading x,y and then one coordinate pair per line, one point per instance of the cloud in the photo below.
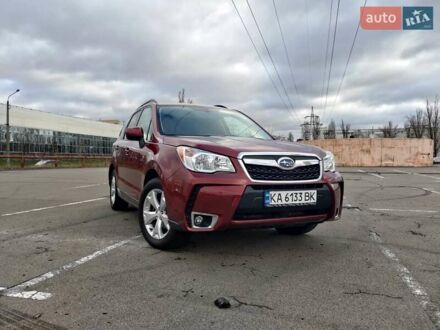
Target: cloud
x,y
100,59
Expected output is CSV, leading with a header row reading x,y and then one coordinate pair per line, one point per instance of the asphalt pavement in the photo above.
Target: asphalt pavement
x,y
68,261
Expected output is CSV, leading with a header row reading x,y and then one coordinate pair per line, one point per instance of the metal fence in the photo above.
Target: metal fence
x,y
56,159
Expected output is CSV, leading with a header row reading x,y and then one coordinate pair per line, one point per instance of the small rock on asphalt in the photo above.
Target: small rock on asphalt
x,y
222,303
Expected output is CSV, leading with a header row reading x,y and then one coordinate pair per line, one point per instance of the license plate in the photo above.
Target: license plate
x,y
294,197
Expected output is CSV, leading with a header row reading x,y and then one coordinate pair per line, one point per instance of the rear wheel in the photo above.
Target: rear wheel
x,y
153,219
297,230
116,202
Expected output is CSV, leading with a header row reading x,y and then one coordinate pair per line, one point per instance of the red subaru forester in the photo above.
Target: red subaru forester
x,y
190,168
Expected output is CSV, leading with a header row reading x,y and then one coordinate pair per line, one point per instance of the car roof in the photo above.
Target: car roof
x,y
171,104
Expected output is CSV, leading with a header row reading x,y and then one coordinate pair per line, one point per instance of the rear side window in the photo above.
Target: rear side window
x,y
145,123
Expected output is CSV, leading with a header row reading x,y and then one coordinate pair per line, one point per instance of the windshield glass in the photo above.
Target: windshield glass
x,y
199,121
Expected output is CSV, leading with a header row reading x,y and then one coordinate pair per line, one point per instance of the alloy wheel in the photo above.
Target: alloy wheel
x,y
113,190
154,214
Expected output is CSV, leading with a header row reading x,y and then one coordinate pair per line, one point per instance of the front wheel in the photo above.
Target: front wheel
x,y
153,219
297,230
116,202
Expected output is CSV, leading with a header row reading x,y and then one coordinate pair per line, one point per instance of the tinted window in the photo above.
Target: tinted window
x,y
199,121
145,123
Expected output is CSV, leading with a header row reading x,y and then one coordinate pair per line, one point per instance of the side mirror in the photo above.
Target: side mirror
x,y
135,134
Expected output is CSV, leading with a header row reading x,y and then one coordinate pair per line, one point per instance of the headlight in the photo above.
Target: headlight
x,y
329,162
203,161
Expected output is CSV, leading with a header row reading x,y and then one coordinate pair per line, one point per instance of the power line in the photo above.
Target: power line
x,y
326,53
348,60
331,57
270,55
259,55
292,76
308,42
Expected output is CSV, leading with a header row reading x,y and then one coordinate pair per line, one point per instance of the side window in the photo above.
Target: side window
x,y
145,123
133,121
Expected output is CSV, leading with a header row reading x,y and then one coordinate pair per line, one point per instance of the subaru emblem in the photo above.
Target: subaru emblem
x,y
286,163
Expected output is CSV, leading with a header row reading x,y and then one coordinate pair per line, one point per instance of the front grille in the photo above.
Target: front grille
x,y
270,173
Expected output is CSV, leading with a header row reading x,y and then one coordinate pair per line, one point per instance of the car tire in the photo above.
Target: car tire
x,y
297,230
116,202
153,219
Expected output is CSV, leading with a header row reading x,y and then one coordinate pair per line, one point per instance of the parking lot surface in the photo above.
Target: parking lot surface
x,y
69,261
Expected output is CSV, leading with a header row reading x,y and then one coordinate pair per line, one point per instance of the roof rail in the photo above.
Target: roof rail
x,y
149,101
220,106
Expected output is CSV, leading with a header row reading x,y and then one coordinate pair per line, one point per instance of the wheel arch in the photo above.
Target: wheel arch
x,y
151,174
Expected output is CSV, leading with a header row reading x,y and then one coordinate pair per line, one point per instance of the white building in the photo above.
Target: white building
x,y
38,131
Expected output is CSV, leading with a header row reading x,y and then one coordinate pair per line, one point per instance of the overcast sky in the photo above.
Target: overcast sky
x,y
101,59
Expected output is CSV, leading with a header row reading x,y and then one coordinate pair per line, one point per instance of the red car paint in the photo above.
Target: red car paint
x,y
217,193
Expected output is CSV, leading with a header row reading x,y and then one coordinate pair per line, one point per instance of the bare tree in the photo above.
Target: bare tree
x,y
331,130
416,125
433,122
345,128
389,130
181,97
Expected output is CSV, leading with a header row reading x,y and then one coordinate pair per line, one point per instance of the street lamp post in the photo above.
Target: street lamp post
x,y
8,138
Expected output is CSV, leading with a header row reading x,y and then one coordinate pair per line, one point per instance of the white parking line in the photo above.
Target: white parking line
x,y
18,290
416,288
399,171
428,176
89,185
35,295
431,191
373,174
437,178
54,206
404,210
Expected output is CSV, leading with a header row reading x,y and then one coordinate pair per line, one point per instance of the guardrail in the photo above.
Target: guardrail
x,y
56,159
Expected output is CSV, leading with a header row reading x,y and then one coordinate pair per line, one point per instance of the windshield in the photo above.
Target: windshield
x,y
199,121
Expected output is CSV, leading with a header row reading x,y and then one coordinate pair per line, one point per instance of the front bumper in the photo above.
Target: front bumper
x,y
238,202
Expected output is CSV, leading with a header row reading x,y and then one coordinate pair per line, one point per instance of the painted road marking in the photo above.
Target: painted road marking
x,y
18,290
416,288
54,206
431,191
402,210
437,178
428,176
89,185
399,171
373,174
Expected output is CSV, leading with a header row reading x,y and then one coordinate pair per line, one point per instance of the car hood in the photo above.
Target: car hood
x,y
233,146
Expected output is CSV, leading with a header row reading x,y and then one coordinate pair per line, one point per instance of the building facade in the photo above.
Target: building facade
x,y
37,131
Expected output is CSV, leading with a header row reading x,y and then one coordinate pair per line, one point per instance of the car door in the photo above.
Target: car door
x,y
126,163
143,154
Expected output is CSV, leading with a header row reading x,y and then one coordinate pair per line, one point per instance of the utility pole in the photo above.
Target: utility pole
x,y
311,127
8,135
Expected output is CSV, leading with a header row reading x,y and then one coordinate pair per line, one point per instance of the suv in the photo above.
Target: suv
x,y
191,168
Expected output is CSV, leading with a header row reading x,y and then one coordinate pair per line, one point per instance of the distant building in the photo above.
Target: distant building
x,y
38,131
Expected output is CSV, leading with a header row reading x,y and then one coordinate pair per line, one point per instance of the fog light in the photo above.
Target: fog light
x,y
198,220
203,220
